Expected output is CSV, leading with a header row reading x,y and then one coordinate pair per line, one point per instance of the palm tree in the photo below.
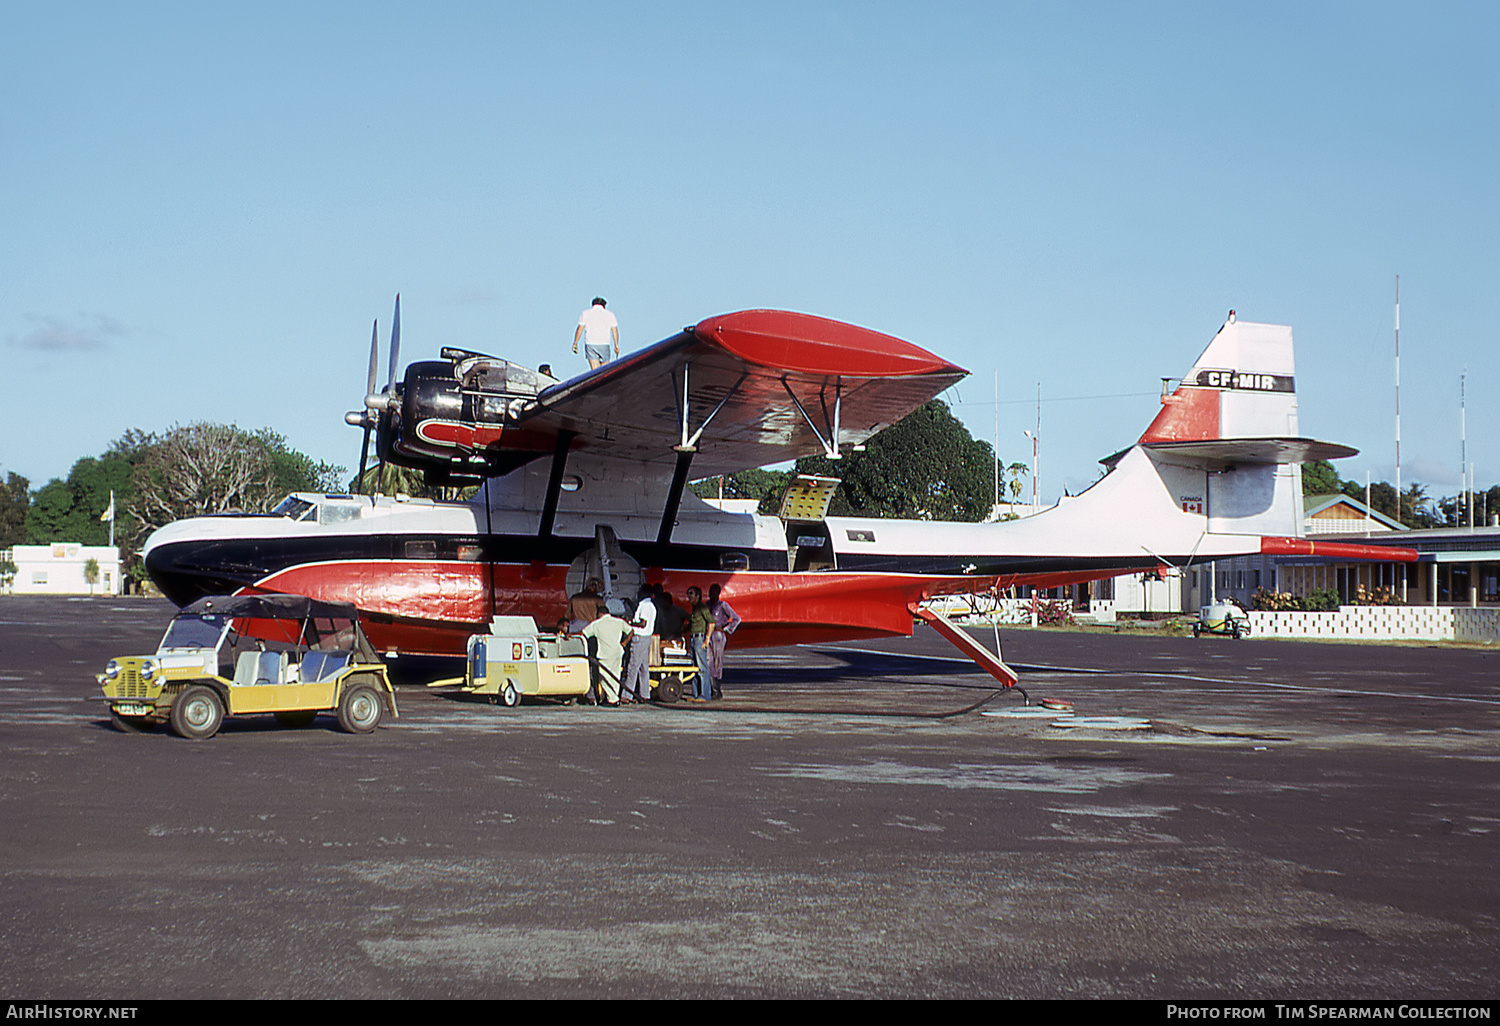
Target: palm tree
x,y
1017,471
91,573
1412,514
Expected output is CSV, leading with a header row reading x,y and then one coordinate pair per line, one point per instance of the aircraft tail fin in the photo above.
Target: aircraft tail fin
x,y
1226,439
1243,386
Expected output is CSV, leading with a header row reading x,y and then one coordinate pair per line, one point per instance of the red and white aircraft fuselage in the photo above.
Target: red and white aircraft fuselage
x,y
586,478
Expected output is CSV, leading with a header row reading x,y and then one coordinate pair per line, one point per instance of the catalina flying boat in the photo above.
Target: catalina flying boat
x,y
586,478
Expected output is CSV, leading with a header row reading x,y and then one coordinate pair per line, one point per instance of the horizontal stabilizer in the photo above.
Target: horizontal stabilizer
x,y
1256,450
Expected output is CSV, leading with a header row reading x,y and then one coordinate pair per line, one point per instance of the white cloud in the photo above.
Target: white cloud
x,y
54,335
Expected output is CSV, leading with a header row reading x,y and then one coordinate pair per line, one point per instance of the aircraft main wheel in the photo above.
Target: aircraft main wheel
x,y
300,718
197,713
130,724
1197,629
509,696
360,710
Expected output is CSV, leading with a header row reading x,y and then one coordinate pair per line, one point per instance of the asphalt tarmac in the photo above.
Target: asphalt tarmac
x,y
1292,820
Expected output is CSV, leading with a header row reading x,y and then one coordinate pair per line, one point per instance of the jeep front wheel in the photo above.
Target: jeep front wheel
x,y
130,724
360,710
197,713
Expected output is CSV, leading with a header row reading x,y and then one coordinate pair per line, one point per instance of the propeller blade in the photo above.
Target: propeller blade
x,y
395,345
374,357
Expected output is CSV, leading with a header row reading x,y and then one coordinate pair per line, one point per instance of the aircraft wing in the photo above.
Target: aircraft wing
x,y
743,389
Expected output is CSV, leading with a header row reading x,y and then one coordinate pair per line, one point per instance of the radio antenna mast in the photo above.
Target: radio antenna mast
x,y
1398,398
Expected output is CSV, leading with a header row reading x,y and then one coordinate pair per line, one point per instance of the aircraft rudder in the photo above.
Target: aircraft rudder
x,y
1242,386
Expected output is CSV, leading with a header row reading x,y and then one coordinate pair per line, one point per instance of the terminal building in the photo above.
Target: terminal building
x,y
1456,566
64,568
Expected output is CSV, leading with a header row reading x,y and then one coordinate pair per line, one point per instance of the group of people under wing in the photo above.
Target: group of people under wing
x,y
621,639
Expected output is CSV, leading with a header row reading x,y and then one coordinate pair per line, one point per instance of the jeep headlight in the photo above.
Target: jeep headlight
x,y
112,670
148,669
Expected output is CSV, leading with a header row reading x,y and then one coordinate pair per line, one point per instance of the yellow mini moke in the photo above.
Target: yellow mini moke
x,y
285,655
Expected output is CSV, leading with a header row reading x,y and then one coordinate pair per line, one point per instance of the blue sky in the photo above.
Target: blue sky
x,y
202,208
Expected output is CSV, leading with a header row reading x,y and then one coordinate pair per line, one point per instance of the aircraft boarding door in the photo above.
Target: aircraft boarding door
x,y
809,546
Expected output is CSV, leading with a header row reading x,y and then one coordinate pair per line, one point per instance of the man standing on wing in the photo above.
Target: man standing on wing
x,y
598,328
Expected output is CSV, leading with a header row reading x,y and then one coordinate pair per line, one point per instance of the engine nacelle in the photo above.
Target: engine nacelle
x,y
454,419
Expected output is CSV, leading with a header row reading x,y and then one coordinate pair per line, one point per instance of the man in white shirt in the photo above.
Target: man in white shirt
x,y
609,633
598,328
637,684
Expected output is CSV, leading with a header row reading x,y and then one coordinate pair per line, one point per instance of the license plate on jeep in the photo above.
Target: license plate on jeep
x,y
134,709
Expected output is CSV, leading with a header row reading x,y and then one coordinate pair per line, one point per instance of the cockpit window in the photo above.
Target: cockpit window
x,y
338,512
294,508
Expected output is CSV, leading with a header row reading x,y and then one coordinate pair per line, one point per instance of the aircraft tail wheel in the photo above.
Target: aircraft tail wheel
x,y
509,696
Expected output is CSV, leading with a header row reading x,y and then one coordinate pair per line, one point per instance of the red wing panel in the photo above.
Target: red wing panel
x,y
804,344
739,373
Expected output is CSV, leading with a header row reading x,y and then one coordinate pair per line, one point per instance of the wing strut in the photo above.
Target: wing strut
x,y
990,664
554,482
674,494
683,410
830,424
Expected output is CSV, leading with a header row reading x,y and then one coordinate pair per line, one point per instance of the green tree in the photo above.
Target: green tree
x,y
1416,507
70,510
15,501
392,480
1319,478
1382,496
201,468
1017,472
292,471
926,467
91,572
765,486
